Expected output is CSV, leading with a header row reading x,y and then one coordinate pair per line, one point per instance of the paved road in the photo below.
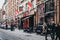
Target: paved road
x,y
16,35
6,36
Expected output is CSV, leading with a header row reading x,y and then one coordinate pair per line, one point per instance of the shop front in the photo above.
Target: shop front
x,y
28,22
25,23
40,17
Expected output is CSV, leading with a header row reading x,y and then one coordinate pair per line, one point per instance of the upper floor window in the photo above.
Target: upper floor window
x,y
49,6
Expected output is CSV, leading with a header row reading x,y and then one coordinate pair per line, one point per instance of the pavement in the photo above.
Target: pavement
x,y
19,35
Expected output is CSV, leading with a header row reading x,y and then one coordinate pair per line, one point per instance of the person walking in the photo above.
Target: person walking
x,y
50,28
58,31
19,25
6,25
12,25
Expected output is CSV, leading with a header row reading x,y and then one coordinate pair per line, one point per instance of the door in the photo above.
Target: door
x,y
31,22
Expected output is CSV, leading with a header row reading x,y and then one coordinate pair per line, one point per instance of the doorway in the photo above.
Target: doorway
x,y
31,23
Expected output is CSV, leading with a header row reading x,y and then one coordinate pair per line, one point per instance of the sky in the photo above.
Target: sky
x,y
1,3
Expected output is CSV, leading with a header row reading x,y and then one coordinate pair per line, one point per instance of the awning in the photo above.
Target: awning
x,y
26,17
49,15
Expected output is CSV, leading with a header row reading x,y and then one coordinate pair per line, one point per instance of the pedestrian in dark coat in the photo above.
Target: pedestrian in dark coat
x,y
12,25
58,31
6,26
50,28
19,24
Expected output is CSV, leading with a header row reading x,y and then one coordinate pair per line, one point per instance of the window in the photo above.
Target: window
x,y
21,8
49,6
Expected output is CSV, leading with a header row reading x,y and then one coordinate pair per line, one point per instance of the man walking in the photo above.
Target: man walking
x,y
50,28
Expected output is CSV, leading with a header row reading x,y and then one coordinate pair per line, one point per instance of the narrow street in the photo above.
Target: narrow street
x,y
29,20
19,35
